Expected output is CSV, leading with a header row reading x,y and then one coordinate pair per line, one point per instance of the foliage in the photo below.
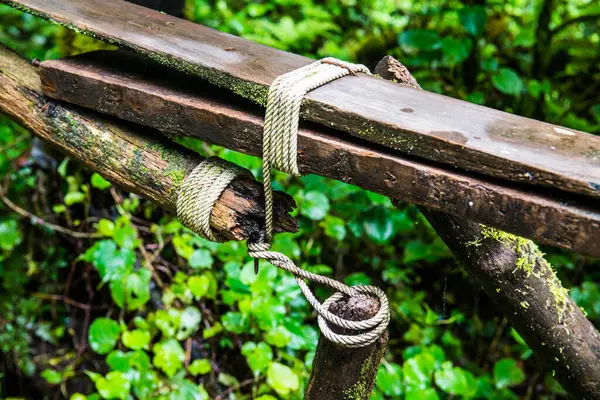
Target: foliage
x,y
144,309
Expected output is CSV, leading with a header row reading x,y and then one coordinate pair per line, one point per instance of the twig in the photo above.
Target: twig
x,y
35,220
231,389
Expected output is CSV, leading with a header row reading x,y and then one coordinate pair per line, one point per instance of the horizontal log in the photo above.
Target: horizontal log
x,y
136,89
143,163
419,123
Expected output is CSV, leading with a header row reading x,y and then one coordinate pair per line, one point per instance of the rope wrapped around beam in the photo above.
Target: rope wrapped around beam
x,y
203,187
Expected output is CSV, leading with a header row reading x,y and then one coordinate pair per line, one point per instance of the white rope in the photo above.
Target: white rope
x,y
204,186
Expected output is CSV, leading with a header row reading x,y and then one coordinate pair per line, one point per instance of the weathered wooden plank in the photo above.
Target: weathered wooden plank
x,y
143,163
419,123
138,90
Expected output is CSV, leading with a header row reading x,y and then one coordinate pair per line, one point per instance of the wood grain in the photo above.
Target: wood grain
x,y
420,123
135,89
141,162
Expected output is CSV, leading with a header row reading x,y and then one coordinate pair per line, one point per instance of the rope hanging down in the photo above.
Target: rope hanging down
x,y
203,187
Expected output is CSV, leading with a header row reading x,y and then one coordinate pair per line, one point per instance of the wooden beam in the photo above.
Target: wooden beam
x,y
135,89
143,163
419,123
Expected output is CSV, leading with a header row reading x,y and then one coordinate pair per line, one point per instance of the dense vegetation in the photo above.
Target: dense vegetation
x,y
122,302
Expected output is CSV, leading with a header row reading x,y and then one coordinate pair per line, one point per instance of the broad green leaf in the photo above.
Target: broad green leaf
x,y
421,394
389,379
334,227
78,396
168,356
74,198
419,39
419,370
455,380
132,291
234,322
103,335
258,356
473,19
282,379
278,337
10,235
189,322
51,376
455,50
114,386
201,258
507,373
136,339
378,225
199,285
112,263
99,182
200,367
315,205
507,81
105,227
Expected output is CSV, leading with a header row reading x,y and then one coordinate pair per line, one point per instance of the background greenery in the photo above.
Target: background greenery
x,y
138,307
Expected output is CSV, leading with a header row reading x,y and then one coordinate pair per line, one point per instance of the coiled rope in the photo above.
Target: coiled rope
x,y
201,190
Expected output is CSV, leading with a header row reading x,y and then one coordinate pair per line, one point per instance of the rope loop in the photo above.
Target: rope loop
x,y
203,187
201,190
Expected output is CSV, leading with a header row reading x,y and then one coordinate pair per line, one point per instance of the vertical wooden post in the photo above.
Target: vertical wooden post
x,y
339,373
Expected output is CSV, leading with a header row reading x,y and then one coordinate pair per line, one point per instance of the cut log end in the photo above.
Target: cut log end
x,y
339,373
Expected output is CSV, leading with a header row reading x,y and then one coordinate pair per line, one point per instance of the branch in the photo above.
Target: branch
x,y
143,163
581,18
514,274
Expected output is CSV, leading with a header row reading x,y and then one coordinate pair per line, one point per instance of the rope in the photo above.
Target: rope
x,y
204,186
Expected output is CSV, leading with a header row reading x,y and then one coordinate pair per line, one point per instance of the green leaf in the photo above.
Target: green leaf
x,y
168,356
77,396
278,337
200,367
421,394
103,335
419,370
99,182
258,356
132,291
507,373
419,39
389,379
10,235
189,322
51,376
136,339
507,81
455,50
473,19
105,227
74,198
315,205
201,258
234,322
334,227
214,330
112,264
282,379
378,225
455,380
114,386
199,285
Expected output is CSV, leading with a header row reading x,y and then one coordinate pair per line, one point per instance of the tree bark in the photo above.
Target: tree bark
x,y
145,164
339,373
514,274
